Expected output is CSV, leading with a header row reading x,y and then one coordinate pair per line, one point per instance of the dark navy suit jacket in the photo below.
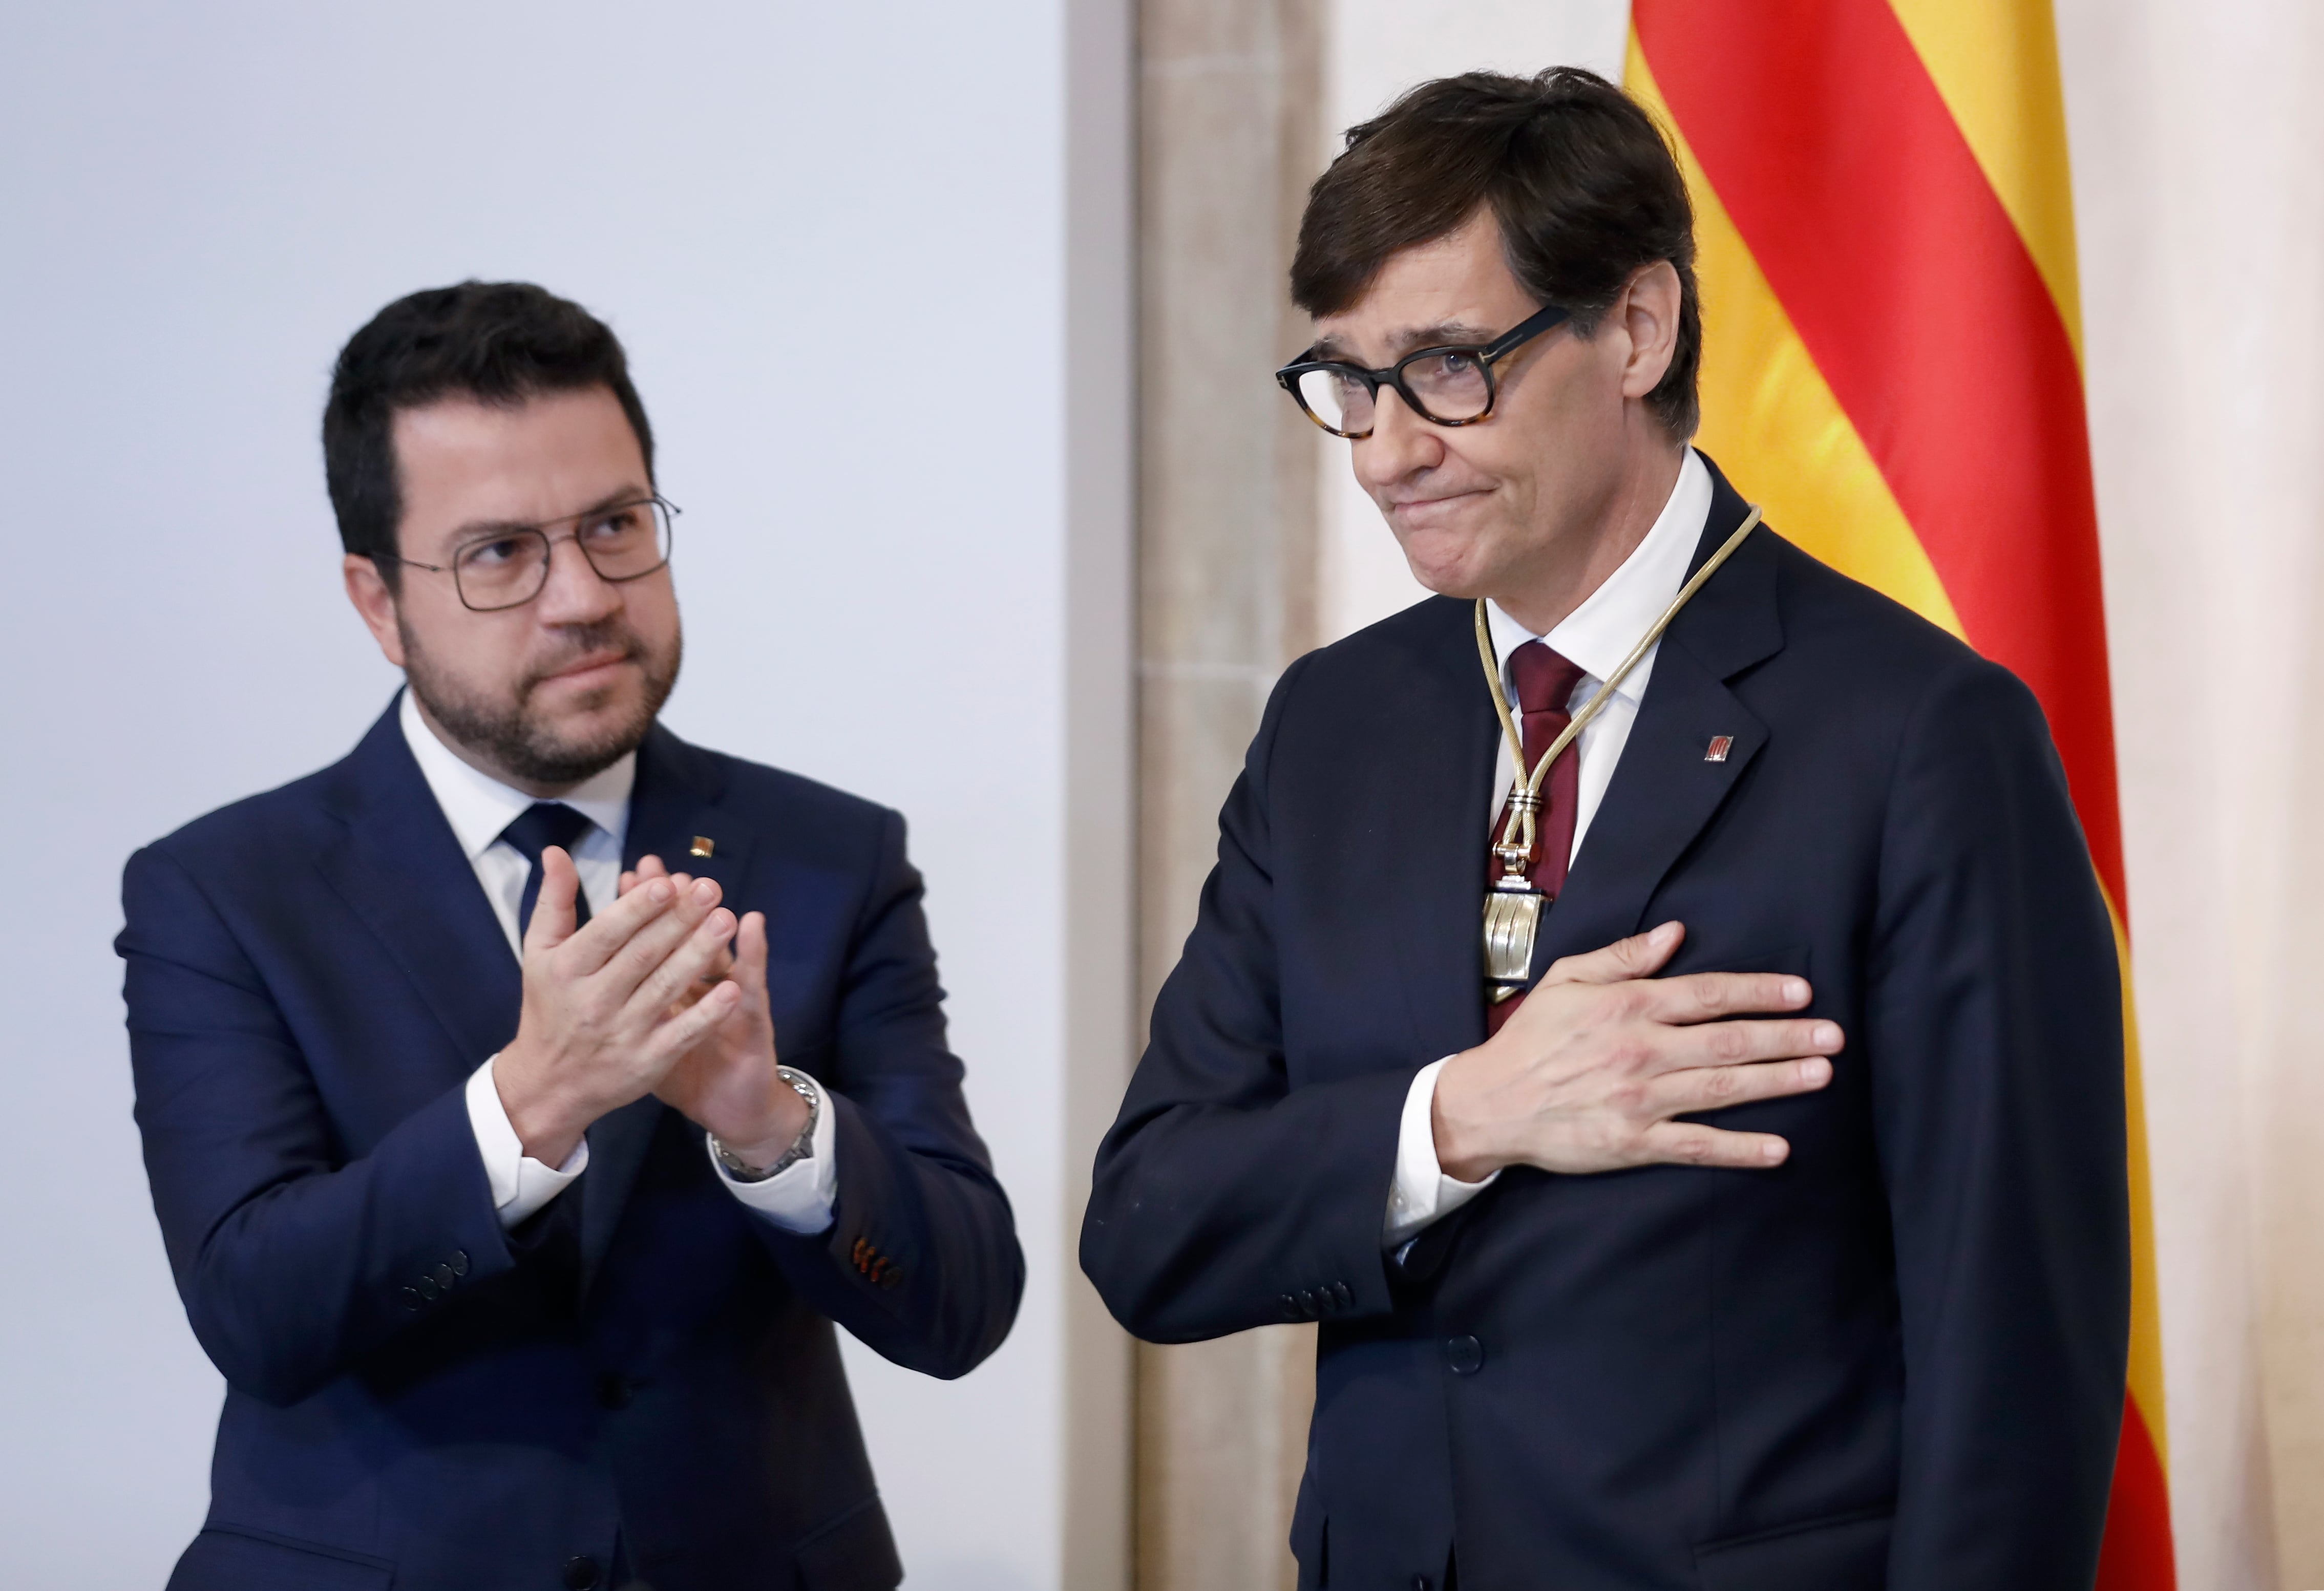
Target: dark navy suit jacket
x,y
1897,1360
416,1399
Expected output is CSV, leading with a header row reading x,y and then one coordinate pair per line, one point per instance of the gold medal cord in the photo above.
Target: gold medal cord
x,y
1521,833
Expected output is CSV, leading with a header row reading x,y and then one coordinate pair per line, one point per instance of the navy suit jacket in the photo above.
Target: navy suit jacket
x,y
415,1398
1897,1360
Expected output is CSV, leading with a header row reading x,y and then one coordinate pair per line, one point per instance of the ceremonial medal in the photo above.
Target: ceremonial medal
x,y
1514,906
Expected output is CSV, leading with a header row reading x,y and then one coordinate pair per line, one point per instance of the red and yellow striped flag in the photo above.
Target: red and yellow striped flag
x,y
1893,367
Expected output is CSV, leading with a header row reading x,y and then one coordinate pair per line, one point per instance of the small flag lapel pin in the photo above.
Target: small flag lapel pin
x,y
1719,747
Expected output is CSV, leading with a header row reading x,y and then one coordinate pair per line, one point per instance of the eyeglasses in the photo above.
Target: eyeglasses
x,y
1450,386
509,566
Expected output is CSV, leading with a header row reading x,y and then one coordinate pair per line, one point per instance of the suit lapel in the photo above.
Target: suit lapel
x,y
673,813
402,871
1665,788
1437,816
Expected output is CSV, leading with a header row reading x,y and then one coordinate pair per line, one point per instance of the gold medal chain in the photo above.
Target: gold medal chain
x,y
1522,832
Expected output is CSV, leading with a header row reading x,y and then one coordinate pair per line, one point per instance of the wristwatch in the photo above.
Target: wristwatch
x,y
802,1148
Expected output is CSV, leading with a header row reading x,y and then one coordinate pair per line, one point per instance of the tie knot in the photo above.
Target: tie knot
x,y
1544,679
542,824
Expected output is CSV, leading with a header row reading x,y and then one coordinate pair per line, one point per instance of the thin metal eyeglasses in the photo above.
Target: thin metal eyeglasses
x,y
508,566
1446,386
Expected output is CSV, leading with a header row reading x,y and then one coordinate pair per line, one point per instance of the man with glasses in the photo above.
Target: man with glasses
x,y
526,1095
1654,1006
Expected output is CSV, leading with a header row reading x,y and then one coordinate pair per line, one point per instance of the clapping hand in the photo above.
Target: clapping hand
x,y
725,1081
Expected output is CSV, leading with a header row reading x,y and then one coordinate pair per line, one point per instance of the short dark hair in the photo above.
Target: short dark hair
x,y
497,342
1582,182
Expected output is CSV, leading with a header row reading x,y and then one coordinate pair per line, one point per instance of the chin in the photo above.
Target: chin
x,y
1445,572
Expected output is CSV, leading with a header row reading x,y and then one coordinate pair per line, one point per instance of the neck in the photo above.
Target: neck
x,y
486,765
1577,564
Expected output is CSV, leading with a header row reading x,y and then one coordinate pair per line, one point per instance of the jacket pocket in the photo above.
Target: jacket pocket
x,y
1844,1552
852,1552
234,1558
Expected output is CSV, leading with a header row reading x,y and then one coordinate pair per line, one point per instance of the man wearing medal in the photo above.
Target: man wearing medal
x,y
1653,1006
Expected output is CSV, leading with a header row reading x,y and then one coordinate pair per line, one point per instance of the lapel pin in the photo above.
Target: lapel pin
x,y
1715,752
704,844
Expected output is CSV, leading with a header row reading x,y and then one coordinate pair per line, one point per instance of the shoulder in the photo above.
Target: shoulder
x,y
1858,665
258,832
1866,644
1405,662
1414,639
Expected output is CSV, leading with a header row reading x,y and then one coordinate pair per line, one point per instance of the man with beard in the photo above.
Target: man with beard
x,y
456,1063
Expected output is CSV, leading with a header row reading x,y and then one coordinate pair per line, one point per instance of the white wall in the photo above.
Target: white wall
x,y
836,241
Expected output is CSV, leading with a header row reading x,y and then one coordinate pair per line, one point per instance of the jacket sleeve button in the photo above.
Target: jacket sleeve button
x,y
409,1297
458,1262
427,1285
444,1278
894,1278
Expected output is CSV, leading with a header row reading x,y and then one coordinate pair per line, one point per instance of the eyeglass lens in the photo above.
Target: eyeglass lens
x,y
1449,388
620,543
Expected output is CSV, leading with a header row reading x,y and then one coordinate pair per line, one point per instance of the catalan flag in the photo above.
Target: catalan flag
x,y
1893,368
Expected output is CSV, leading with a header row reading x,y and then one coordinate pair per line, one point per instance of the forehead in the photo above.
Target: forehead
x,y
460,461
1454,287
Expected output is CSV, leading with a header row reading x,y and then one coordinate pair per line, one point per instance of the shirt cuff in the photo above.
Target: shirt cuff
x,y
802,1196
1422,1193
520,1184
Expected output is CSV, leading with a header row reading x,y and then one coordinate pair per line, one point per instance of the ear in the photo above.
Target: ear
x,y
1649,314
376,603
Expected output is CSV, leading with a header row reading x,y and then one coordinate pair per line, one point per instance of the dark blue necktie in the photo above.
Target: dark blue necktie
x,y
542,824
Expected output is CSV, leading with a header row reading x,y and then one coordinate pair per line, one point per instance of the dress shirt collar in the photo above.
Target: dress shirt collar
x,y
1600,633
479,806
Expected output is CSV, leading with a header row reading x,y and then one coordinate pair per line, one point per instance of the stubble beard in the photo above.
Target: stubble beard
x,y
510,736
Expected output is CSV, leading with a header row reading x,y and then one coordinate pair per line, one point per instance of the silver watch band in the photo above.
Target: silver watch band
x,y
802,1147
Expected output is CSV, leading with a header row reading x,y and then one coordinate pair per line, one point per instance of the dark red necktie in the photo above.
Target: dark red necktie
x,y
1544,683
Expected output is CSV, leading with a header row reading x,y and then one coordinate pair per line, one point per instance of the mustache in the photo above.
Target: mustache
x,y
584,641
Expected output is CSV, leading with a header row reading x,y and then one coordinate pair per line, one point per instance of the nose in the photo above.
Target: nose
x,y
575,594
1401,442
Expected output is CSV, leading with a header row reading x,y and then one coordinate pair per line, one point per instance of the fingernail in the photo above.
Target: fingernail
x,y
1795,990
720,923
1775,1151
1663,935
1815,1070
659,890
1826,1036
705,891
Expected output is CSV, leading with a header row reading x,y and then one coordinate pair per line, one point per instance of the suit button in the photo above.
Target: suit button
x,y
444,1278
1290,1306
1307,1305
613,1390
1421,1583
427,1285
1339,1290
458,1262
893,1276
409,1297
1465,1355
580,1573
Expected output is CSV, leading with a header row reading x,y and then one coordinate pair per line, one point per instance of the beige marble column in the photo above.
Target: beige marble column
x,y
1229,139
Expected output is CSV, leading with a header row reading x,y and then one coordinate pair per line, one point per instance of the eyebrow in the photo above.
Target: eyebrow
x,y
1441,333
474,530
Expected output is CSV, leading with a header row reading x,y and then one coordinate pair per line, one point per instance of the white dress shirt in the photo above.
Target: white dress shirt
x,y
1595,636
478,807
